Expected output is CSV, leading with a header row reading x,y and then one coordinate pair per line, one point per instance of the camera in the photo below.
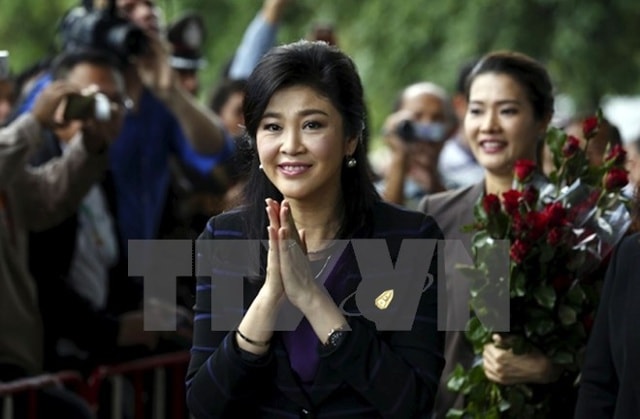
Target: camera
x,y
102,29
95,105
411,131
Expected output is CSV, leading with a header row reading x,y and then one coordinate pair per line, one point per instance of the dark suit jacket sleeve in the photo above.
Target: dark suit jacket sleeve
x,y
599,382
220,382
398,376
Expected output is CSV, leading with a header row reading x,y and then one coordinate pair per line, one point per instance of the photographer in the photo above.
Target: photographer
x,y
415,133
73,281
163,118
36,199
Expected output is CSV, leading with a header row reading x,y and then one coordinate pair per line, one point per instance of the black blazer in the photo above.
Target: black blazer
x,y
371,374
610,384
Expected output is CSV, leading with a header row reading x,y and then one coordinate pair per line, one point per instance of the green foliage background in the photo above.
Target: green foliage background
x,y
591,47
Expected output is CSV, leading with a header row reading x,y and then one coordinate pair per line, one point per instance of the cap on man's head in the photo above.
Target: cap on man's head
x,y
186,36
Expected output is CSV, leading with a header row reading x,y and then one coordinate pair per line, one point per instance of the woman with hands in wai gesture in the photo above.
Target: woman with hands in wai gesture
x,y
300,338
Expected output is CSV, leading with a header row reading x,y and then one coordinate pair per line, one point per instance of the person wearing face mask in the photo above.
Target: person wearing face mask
x,y
415,133
510,104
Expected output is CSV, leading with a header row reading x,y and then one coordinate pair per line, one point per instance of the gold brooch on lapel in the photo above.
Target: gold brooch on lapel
x,y
384,299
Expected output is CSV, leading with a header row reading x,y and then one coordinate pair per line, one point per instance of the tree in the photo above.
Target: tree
x,y
591,47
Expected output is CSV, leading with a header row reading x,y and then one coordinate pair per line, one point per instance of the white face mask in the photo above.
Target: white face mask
x,y
417,131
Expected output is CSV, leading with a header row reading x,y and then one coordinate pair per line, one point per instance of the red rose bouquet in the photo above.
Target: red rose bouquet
x,y
553,232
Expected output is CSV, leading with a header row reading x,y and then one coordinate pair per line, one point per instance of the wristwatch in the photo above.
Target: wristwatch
x,y
335,337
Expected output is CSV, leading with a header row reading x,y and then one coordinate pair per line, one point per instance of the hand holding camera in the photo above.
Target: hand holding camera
x,y
94,105
101,117
47,108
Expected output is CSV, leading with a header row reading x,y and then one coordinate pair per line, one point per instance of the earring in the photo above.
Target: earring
x,y
351,162
260,167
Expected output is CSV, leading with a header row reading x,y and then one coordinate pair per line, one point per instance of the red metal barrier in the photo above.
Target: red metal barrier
x,y
30,387
137,371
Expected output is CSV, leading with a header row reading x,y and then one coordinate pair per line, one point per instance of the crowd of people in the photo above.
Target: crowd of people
x,y
280,155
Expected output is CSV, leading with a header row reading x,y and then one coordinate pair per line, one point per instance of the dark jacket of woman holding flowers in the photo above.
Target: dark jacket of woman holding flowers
x,y
510,105
309,185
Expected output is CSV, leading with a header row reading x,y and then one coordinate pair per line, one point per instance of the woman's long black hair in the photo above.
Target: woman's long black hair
x,y
333,75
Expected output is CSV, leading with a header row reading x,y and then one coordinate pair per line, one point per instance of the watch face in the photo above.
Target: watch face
x,y
335,338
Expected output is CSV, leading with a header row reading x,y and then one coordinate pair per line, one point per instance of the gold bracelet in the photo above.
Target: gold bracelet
x,y
251,341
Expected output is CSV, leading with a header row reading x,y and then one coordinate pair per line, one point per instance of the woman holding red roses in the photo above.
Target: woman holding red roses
x,y
510,105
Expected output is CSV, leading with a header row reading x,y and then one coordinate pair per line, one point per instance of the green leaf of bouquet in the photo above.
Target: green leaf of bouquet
x,y
479,214
547,253
504,405
567,315
542,326
516,398
492,413
545,295
470,228
480,239
477,334
455,413
518,284
457,379
576,294
477,376
578,260
563,358
497,225
555,139
469,271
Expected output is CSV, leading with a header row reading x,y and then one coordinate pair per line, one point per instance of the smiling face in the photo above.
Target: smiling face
x,y
500,123
301,145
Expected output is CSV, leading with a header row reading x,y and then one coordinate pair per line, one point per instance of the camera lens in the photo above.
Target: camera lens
x,y
406,130
126,39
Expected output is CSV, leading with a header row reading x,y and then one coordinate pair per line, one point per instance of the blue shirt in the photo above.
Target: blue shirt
x,y
139,164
